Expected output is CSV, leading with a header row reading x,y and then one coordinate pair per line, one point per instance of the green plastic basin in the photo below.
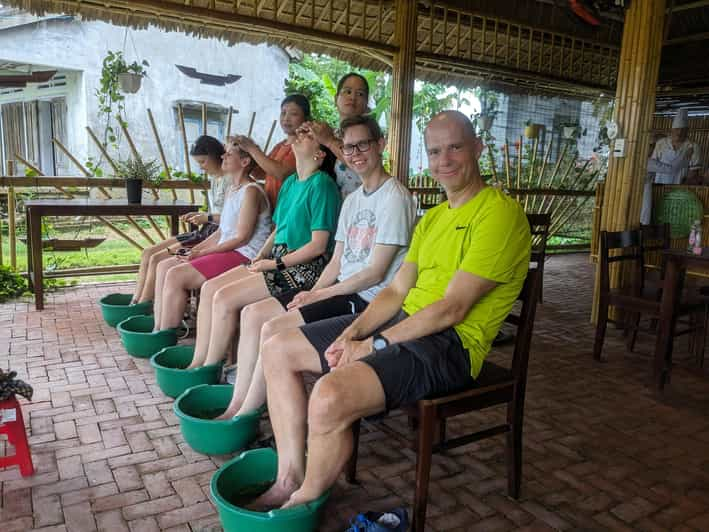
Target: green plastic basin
x,y
139,339
116,307
248,475
170,372
197,407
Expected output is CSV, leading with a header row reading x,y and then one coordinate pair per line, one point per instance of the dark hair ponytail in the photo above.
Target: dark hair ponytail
x,y
209,146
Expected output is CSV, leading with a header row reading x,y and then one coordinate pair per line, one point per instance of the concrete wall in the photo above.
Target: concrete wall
x,y
77,48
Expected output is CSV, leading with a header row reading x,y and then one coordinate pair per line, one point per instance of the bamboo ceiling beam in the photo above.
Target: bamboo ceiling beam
x,y
403,89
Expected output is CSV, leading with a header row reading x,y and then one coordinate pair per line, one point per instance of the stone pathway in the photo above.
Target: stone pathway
x,y
601,451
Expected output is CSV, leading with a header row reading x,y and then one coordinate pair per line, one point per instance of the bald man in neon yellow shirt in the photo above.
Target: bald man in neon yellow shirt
x,y
427,333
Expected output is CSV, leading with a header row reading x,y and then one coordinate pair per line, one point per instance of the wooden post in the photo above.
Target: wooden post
x,y
204,119
12,238
188,167
163,158
402,86
635,103
230,112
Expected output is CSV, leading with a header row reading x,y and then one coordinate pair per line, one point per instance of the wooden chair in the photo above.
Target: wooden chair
x,y
539,226
637,300
496,385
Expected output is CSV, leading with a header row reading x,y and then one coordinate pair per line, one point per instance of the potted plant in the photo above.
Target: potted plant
x,y
531,130
570,130
135,171
489,101
128,76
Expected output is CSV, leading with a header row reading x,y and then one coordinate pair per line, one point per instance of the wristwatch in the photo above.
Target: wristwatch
x,y
280,266
210,218
379,342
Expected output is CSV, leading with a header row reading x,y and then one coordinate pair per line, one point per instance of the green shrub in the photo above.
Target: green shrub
x,y
11,284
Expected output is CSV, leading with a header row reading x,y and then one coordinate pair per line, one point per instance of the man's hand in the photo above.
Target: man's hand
x,y
263,265
306,297
345,350
197,218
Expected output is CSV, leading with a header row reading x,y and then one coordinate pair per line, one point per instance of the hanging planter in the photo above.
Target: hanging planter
x,y
130,82
531,131
569,132
486,122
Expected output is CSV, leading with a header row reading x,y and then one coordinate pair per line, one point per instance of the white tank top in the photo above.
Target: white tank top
x,y
229,221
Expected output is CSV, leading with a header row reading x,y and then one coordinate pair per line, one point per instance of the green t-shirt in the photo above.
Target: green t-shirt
x,y
312,204
489,237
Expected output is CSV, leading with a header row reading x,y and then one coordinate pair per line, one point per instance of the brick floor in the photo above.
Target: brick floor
x,y
601,451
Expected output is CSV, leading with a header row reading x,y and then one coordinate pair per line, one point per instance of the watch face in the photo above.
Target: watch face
x,y
379,344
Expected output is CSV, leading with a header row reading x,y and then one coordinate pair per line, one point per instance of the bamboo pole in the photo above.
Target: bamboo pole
x,y
540,177
39,172
103,220
134,150
230,112
492,163
531,169
251,124
158,142
572,163
1,254
80,166
507,163
188,167
11,229
270,136
103,151
204,119
83,170
519,162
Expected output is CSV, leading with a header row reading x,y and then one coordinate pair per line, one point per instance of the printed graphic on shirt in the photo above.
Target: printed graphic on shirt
x,y
361,236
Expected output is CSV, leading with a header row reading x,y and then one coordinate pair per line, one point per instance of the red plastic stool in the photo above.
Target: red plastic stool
x,y
16,435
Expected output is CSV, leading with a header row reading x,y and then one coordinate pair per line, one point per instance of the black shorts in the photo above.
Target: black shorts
x,y
433,365
327,308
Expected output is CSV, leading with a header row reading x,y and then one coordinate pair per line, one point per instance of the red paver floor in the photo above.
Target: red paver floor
x,y
601,451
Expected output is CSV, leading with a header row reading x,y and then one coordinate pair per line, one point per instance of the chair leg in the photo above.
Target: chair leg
x,y
600,328
633,324
700,337
351,467
426,432
514,448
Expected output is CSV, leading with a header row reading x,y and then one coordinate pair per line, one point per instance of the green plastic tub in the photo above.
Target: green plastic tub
x,y
139,339
170,372
197,407
116,307
245,477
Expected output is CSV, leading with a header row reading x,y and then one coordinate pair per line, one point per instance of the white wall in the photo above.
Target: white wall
x,y
79,47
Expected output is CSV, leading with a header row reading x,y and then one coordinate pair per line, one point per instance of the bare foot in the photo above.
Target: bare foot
x,y
297,498
228,413
193,365
275,497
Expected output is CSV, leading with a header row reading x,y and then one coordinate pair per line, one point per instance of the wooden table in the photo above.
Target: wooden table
x,y
35,209
678,261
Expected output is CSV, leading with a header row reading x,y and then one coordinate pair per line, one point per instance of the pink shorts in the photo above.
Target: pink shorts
x,y
217,263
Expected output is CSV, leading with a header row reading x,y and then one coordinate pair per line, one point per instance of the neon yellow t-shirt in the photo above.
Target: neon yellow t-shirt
x,y
489,237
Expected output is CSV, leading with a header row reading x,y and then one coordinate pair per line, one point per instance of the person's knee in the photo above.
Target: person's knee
x,y
273,325
221,301
206,293
327,409
272,354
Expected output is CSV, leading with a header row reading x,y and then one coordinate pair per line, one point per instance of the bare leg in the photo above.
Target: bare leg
x,y
148,292
226,306
204,313
256,395
285,356
179,280
338,399
144,261
160,274
252,324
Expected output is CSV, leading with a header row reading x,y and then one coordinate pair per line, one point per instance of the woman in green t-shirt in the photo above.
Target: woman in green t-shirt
x,y
292,258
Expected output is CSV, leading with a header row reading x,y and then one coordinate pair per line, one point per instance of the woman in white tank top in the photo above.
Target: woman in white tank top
x,y
244,227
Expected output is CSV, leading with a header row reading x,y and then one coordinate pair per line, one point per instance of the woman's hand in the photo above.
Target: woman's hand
x,y
306,297
196,218
262,265
322,132
246,144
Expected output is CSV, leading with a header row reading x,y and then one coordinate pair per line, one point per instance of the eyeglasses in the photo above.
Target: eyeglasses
x,y
362,146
